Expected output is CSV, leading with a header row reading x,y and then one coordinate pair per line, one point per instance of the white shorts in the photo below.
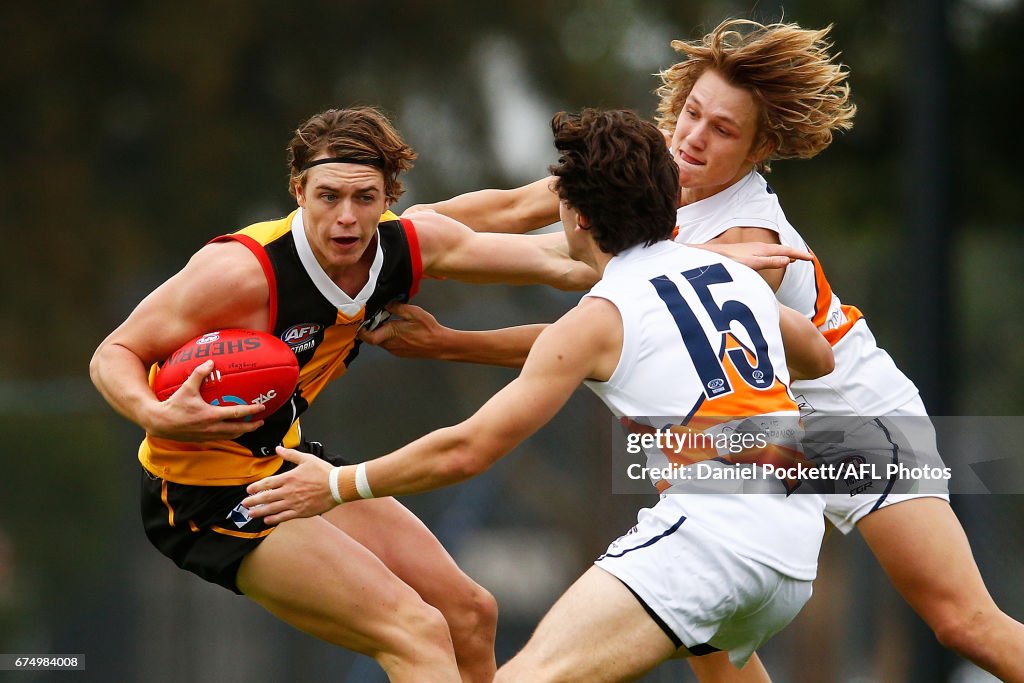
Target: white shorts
x,y
903,438
703,595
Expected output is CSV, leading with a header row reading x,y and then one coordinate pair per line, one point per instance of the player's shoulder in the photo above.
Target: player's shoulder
x,y
436,234
702,261
764,206
391,227
228,268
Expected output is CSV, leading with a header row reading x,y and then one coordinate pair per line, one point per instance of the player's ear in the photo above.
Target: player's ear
x,y
299,191
761,150
582,221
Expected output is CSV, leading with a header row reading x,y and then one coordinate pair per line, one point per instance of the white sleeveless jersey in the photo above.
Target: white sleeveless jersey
x,y
701,342
865,381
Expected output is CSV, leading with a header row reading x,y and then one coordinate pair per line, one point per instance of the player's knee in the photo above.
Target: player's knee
x,y
965,632
481,612
418,633
472,613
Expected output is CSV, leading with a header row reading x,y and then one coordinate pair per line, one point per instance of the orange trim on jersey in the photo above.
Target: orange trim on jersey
x,y
745,400
167,504
823,303
823,300
414,255
675,233
852,314
241,534
261,255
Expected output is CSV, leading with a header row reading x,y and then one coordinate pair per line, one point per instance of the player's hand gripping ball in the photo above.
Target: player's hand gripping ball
x,y
248,367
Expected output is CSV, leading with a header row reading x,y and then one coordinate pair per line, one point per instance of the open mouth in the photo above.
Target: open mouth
x,y
690,160
345,241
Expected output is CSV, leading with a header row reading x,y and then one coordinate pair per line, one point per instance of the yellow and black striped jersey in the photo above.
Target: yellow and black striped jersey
x,y
318,321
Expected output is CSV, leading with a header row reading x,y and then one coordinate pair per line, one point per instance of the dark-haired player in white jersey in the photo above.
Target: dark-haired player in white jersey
x,y
669,330
744,95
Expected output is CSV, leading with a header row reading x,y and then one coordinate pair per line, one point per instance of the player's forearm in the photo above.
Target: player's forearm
x,y
510,211
566,273
507,347
442,458
123,381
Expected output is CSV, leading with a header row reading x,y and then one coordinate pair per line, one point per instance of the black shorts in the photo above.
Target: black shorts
x,y
205,529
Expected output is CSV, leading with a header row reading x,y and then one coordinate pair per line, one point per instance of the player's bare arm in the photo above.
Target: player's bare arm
x,y
222,286
450,249
808,354
518,210
412,332
773,276
584,343
760,256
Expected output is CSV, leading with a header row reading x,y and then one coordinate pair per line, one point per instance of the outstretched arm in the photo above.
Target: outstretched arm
x,y
770,260
586,342
518,210
451,250
412,332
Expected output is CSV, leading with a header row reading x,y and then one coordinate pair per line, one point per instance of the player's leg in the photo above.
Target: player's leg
x,y
597,631
716,668
315,577
924,550
414,554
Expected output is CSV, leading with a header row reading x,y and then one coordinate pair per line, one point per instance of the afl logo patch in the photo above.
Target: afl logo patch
x,y
302,337
297,335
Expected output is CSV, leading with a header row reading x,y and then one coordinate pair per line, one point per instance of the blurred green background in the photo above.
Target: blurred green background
x,y
133,132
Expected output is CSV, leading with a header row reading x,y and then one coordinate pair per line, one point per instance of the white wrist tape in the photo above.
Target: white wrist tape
x,y
362,485
332,481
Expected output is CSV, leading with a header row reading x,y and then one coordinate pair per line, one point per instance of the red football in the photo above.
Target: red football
x,y
248,367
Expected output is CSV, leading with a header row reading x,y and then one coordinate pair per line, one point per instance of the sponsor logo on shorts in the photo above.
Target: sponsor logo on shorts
x,y
240,516
857,474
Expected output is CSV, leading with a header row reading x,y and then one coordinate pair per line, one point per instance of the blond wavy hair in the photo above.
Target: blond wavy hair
x,y
800,90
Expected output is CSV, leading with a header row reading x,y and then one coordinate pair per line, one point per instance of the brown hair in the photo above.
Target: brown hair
x,y
614,169
799,88
358,133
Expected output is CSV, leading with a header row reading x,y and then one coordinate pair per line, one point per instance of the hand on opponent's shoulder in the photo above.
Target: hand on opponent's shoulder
x,y
450,249
757,248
